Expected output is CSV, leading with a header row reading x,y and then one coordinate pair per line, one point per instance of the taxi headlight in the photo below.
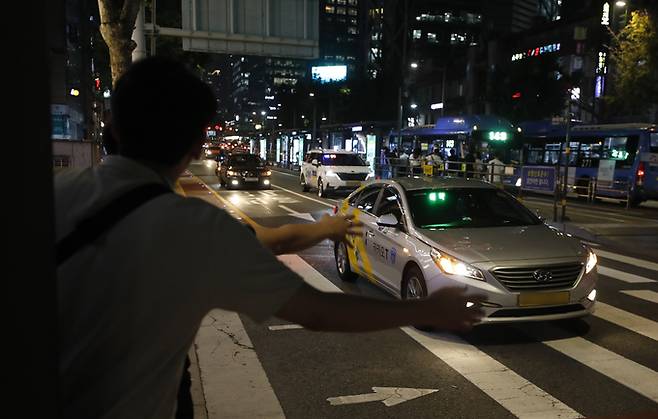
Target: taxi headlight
x,y
267,173
453,266
591,262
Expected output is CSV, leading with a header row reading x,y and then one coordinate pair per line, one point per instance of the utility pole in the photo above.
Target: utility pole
x,y
138,36
403,64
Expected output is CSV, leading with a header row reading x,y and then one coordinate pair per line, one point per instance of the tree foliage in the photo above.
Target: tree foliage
x,y
634,56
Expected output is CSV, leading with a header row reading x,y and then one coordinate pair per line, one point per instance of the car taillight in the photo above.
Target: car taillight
x,y
640,173
335,209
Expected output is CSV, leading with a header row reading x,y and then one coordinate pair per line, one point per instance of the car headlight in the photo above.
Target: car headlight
x,y
267,173
453,266
208,152
591,261
231,173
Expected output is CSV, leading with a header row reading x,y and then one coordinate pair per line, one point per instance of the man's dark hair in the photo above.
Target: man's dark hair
x,y
160,110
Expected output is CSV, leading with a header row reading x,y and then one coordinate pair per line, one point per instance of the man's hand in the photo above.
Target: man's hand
x,y
446,309
339,227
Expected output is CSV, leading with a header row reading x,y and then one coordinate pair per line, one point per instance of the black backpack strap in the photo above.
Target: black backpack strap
x,y
92,227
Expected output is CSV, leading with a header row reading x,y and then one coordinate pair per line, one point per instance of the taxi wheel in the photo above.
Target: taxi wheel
x,y
343,263
322,193
302,181
413,284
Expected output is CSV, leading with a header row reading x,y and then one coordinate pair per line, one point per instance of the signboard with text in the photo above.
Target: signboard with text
x,y
538,178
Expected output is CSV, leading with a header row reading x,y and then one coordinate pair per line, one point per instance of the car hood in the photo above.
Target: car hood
x,y
504,243
246,167
349,169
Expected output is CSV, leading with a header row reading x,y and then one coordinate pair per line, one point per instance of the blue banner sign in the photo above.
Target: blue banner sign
x,y
538,178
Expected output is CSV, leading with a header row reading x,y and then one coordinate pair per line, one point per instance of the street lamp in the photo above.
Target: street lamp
x,y
311,94
263,113
620,3
414,65
414,106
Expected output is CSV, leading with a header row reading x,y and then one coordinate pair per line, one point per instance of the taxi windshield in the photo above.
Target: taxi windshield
x,y
467,208
342,159
245,160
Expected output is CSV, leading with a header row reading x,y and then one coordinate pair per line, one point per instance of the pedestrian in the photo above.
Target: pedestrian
x,y
435,160
132,292
496,169
479,165
416,161
453,163
469,159
385,163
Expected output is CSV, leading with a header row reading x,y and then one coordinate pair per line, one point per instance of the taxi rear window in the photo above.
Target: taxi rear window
x,y
467,208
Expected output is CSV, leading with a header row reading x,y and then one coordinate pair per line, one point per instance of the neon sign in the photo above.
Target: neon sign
x,y
535,52
605,16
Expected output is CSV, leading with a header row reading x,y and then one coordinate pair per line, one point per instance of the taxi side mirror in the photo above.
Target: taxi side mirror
x,y
388,220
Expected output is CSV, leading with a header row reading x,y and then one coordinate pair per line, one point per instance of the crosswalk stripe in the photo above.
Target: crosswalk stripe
x,y
647,295
516,394
507,388
627,320
626,372
627,259
623,276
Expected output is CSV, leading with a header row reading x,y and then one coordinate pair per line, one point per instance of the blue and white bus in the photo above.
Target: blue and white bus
x,y
623,158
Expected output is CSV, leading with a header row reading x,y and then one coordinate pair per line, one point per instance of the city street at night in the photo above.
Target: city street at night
x,y
601,366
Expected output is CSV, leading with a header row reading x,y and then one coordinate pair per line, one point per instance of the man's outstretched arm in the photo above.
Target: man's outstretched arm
x,y
336,312
291,238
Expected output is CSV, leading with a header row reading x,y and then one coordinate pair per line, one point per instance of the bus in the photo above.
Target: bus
x,y
617,161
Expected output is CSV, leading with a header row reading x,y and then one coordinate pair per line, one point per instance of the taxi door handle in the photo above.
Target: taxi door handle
x,y
370,234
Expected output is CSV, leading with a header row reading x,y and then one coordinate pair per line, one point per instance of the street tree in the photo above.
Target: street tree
x,y
117,22
634,56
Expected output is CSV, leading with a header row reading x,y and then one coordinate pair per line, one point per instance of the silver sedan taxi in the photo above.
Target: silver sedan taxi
x,y
421,234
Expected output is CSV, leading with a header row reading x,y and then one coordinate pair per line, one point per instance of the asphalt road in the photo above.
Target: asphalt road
x,y
603,366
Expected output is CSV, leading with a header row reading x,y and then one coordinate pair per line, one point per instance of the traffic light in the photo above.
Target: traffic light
x,y
97,84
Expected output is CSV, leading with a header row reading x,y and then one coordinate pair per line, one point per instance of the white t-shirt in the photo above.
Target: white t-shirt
x,y
131,303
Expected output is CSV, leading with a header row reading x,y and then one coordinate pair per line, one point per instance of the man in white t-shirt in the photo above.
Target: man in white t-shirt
x,y
131,301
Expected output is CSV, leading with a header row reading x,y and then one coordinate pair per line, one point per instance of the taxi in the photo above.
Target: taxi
x,y
422,234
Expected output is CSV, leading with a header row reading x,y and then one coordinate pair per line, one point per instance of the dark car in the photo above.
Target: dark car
x,y
243,169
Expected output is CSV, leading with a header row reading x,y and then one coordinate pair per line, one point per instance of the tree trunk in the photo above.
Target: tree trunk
x,y
117,25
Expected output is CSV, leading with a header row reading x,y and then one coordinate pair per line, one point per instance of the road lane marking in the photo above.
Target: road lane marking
x,y
285,327
647,295
390,396
507,388
284,173
305,197
626,372
627,259
630,321
594,213
513,392
303,215
622,276
228,203
234,381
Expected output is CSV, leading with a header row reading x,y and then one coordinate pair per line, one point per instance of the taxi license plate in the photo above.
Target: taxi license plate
x,y
530,299
251,179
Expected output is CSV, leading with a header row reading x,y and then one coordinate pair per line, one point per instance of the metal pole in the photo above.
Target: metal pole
x,y
443,90
315,118
567,150
138,36
153,22
403,67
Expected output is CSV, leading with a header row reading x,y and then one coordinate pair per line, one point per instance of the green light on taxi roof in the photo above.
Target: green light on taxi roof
x,y
433,196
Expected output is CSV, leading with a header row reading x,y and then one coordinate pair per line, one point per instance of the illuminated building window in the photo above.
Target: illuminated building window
x,y
431,38
350,58
341,20
329,9
352,30
352,12
353,21
340,10
341,2
417,34
340,58
353,2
